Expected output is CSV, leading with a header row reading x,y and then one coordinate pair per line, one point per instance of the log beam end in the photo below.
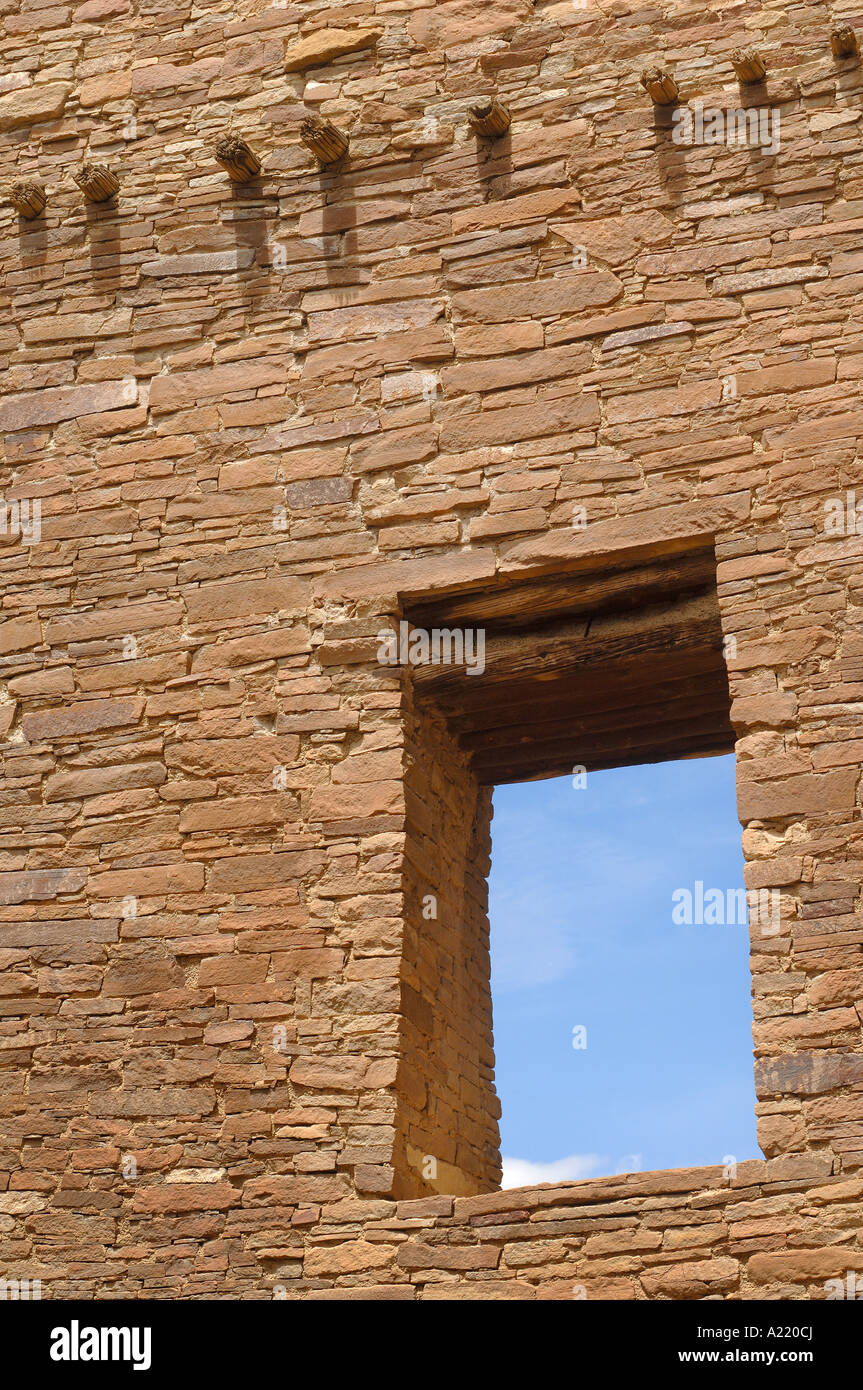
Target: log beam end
x,y
490,118
28,197
97,182
844,42
749,65
327,143
237,159
660,86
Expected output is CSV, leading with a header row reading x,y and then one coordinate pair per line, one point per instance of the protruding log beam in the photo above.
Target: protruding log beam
x,y
97,182
660,86
237,159
749,65
490,117
843,42
326,142
28,197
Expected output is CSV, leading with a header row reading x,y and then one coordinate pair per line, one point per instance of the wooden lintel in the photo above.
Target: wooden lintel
x,y
575,645
698,739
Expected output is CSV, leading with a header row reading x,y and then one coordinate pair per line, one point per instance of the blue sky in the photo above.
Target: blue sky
x,y
582,936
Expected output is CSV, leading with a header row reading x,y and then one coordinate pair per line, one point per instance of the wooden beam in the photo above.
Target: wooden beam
x,y
617,689
591,728
575,645
490,118
749,65
237,158
28,197
696,737
97,182
326,142
508,605
844,43
660,86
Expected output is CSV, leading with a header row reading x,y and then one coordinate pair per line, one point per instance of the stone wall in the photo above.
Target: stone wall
x,y
262,421
448,1104
776,1230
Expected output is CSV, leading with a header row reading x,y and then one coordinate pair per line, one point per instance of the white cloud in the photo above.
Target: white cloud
x,y
520,1172
630,1163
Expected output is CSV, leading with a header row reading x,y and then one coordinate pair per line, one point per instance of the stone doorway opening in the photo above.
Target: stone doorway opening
x,y
604,664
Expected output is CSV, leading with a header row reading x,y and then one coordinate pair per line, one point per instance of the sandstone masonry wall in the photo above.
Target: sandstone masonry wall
x,y
446,1090
773,1231
260,420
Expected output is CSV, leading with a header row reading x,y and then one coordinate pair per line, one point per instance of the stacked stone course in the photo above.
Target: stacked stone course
x,y
262,421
